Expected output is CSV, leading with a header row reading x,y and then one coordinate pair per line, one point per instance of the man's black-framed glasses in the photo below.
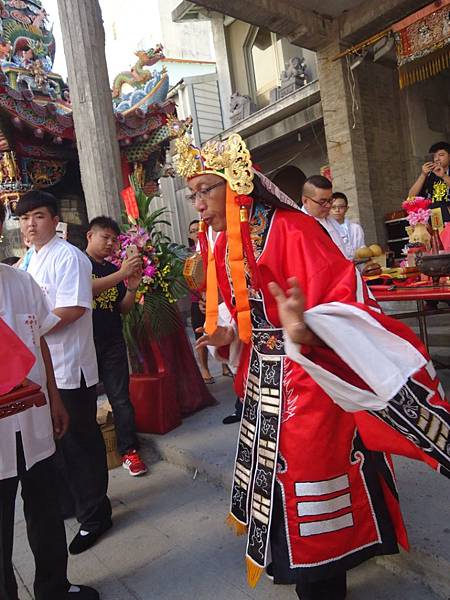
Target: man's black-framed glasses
x,y
203,194
321,202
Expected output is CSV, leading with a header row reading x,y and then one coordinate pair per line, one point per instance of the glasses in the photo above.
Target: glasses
x,y
321,202
203,194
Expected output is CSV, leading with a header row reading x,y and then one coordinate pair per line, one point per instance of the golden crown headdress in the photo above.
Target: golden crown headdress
x,y
229,159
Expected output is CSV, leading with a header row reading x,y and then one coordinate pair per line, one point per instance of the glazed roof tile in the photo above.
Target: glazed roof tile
x,y
38,112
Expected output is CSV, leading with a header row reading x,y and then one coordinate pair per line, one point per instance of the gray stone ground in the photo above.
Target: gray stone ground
x,y
169,542
169,539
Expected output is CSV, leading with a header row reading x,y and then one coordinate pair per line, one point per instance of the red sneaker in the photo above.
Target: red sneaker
x,y
133,463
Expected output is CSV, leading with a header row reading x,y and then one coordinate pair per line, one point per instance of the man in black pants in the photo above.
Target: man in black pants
x,y
27,442
111,300
64,275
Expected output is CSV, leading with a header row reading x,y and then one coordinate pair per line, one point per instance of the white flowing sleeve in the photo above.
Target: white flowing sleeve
x,y
383,360
235,348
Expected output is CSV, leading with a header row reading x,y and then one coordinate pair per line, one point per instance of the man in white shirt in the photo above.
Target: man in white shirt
x,y
27,444
64,275
317,199
351,233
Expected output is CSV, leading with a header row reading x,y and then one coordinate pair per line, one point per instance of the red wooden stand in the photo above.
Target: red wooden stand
x,y
27,395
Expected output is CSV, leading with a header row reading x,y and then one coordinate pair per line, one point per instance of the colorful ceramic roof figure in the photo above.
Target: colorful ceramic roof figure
x,y
36,123
25,27
138,76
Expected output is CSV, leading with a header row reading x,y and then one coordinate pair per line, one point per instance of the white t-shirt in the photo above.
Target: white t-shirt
x,y
23,308
353,234
65,276
331,225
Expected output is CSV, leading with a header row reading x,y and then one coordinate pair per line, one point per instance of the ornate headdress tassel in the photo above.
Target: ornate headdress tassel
x,y
231,160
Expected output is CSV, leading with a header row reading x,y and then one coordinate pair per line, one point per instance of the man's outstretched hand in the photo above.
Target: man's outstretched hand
x,y
291,307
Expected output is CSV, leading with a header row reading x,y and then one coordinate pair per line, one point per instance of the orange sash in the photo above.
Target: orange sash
x,y
237,268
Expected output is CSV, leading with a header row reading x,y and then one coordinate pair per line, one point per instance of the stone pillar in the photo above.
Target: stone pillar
x,y
344,134
222,66
98,148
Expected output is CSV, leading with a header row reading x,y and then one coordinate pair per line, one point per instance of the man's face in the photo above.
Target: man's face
x,y
318,202
339,209
210,198
101,242
441,158
38,226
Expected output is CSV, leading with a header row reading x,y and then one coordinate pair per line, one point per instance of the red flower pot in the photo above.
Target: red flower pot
x,y
154,397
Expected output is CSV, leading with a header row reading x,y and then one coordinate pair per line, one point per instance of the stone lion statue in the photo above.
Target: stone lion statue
x,y
237,101
295,68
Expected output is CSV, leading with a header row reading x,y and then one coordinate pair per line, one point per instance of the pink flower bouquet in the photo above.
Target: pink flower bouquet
x,y
418,210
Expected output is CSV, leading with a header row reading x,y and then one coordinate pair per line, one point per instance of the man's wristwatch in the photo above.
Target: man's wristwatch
x,y
132,290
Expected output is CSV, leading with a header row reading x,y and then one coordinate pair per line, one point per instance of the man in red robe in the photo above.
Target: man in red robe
x,y
312,482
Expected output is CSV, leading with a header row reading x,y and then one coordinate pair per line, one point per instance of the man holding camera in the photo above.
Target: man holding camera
x,y
112,299
434,179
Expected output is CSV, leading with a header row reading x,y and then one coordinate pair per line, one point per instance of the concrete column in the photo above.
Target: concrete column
x,y
222,65
344,135
98,148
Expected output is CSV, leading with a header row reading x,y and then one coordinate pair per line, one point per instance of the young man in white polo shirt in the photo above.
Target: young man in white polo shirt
x,y
27,443
351,233
64,274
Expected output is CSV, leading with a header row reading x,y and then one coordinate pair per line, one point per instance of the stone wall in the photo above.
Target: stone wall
x,y
377,135
426,110
385,140
368,129
344,132
309,155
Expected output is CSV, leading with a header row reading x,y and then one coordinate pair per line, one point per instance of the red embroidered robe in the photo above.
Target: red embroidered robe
x,y
325,466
